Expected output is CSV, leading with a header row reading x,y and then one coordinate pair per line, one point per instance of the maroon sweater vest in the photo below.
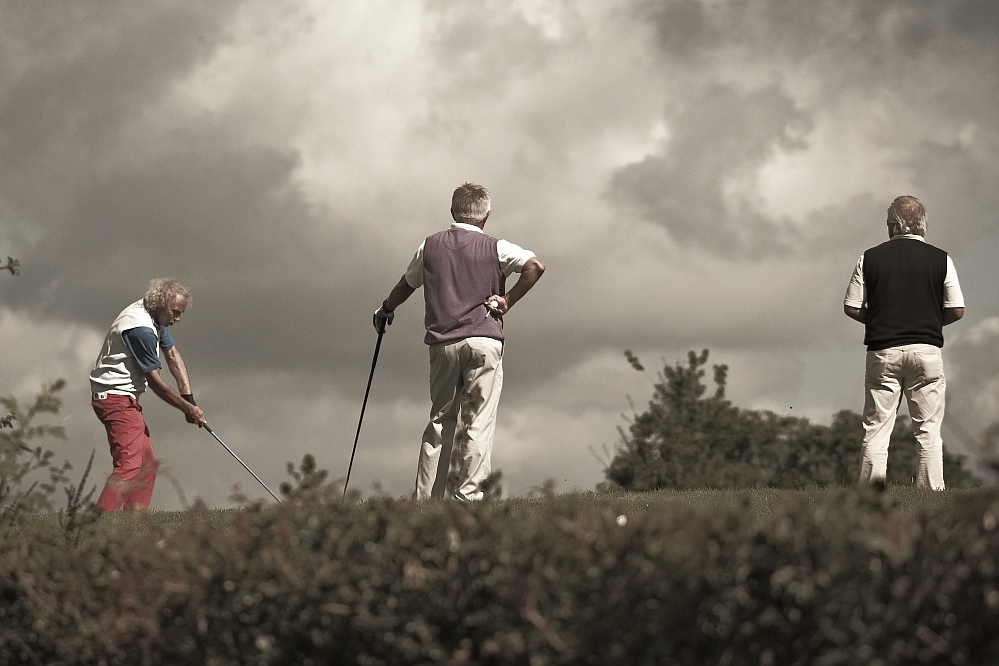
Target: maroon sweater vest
x,y
460,270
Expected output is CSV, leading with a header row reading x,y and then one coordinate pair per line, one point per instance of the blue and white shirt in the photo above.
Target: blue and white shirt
x,y
130,350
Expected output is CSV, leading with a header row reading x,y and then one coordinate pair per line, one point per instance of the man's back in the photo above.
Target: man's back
x,y
460,270
904,278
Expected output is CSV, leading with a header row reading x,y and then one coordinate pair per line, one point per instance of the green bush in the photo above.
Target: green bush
x,y
830,577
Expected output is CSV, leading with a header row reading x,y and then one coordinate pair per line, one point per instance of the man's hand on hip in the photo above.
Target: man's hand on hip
x,y
499,305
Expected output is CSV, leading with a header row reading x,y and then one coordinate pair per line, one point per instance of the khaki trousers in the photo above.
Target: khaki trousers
x,y
466,378
916,372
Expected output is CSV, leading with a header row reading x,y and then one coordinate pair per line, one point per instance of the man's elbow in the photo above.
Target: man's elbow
x,y
952,314
853,313
535,266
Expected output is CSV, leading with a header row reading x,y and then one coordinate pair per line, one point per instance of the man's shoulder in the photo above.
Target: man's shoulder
x,y
466,235
904,245
135,315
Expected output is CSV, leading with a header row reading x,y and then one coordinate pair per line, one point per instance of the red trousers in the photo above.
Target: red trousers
x,y
130,485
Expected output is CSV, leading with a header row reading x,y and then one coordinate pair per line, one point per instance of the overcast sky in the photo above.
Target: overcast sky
x,y
693,173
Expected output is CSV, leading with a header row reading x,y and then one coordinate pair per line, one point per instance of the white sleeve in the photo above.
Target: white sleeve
x,y
512,257
856,294
414,272
953,298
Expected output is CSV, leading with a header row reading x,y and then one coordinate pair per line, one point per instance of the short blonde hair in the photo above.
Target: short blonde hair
x,y
906,215
163,291
470,203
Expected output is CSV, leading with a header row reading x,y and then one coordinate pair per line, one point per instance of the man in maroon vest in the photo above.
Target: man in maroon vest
x,y
904,291
463,274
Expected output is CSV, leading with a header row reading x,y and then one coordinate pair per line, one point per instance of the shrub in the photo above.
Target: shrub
x,y
23,460
838,577
688,439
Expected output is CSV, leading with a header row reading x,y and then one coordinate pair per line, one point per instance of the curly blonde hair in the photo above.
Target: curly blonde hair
x,y
163,291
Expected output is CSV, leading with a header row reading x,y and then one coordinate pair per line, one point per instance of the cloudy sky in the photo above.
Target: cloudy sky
x,y
693,173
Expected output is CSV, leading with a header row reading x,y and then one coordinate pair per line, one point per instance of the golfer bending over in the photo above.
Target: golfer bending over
x,y
128,360
904,291
463,273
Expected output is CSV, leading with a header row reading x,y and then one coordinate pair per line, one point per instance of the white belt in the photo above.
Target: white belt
x,y
100,396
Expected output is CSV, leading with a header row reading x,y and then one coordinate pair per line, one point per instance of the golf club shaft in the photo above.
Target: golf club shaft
x,y
374,360
212,433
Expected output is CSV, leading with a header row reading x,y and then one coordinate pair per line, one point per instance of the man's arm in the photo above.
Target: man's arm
x,y
175,362
950,315
400,292
386,311
179,371
859,314
529,276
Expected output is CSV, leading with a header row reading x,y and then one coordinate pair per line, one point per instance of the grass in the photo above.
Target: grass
x,y
757,504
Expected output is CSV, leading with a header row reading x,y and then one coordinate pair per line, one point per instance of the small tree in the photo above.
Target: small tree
x,y
687,438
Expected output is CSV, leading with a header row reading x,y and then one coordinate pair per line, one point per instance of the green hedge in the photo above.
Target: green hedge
x,y
844,577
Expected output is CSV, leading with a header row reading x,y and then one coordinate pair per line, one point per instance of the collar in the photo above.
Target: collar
x,y
151,313
466,227
910,236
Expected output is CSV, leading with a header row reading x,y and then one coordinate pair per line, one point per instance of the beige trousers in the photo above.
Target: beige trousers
x,y
916,372
466,378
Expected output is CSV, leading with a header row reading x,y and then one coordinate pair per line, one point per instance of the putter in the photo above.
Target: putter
x,y
374,360
212,433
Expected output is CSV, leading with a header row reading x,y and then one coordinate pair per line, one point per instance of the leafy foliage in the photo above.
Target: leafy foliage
x,y
13,265
831,577
22,457
687,439
309,485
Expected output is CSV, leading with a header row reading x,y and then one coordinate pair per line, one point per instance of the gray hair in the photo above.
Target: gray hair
x,y
470,203
163,291
906,215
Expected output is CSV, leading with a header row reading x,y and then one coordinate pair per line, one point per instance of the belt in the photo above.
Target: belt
x,y
100,396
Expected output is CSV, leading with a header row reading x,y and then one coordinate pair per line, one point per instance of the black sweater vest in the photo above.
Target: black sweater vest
x,y
904,278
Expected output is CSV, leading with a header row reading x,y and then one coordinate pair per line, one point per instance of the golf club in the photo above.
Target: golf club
x,y
378,344
212,433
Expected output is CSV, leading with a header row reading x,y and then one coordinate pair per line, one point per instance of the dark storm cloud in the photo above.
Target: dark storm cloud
x,y
870,36
223,218
73,71
961,194
284,159
721,133
200,204
920,67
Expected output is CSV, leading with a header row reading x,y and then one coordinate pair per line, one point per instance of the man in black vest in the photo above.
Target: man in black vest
x,y
904,291
463,273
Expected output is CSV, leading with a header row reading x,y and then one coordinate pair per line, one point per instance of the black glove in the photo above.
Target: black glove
x,y
189,397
